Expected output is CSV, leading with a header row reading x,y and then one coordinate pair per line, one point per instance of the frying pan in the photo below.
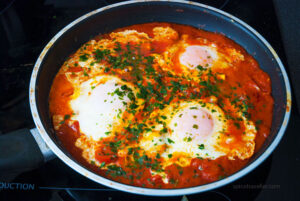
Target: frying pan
x,y
21,151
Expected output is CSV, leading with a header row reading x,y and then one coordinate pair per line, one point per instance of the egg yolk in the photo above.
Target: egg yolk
x,y
195,123
197,55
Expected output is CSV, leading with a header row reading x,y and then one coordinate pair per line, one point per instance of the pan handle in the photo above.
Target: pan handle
x,y
23,150
46,151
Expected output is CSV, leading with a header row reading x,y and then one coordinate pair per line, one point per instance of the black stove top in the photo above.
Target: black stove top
x,y
26,27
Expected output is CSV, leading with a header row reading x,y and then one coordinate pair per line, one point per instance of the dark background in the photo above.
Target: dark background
x,y
27,26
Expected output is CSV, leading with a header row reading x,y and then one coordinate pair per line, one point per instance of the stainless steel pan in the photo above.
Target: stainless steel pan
x,y
22,151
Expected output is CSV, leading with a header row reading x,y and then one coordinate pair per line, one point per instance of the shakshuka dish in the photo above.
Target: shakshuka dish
x,y
161,105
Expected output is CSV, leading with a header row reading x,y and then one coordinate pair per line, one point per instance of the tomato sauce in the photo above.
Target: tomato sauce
x,y
245,79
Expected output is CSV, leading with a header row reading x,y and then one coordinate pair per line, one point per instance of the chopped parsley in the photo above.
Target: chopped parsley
x,y
187,139
163,117
102,165
115,170
85,73
66,117
164,130
237,125
107,132
201,146
83,57
258,122
115,145
170,141
200,68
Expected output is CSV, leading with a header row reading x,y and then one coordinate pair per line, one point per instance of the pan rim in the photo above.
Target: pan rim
x,y
150,191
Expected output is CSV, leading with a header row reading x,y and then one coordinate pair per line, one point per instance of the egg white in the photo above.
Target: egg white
x,y
97,108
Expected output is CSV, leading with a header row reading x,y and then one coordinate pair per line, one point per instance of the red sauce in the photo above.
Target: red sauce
x,y
251,81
